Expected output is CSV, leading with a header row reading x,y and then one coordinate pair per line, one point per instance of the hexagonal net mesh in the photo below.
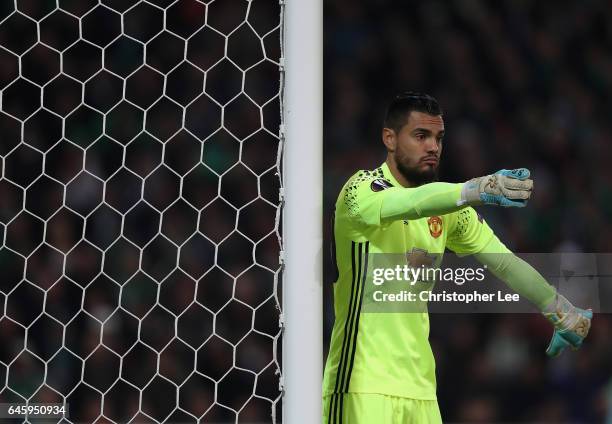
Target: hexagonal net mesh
x,y
139,208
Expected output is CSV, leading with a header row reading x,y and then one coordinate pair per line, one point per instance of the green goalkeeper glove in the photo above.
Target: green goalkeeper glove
x,y
506,188
572,325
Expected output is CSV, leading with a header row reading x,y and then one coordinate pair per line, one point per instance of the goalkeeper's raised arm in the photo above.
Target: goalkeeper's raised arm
x,y
504,188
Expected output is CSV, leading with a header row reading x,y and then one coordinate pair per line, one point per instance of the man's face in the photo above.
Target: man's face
x,y
418,147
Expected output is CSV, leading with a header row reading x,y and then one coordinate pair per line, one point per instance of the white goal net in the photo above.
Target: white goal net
x,y
139,209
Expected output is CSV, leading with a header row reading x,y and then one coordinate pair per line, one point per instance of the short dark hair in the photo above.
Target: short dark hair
x,y
404,103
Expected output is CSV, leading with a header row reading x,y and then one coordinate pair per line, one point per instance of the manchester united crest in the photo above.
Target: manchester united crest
x,y
435,226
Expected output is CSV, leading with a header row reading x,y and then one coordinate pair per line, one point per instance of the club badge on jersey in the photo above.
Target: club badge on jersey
x,y
435,226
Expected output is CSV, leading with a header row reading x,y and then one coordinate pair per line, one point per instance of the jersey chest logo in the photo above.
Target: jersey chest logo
x,y
435,226
420,257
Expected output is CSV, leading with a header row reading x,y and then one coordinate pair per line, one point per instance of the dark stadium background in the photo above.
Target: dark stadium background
x,y
522,83
176,345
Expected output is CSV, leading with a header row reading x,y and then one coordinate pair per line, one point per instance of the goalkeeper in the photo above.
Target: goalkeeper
x,y
380,367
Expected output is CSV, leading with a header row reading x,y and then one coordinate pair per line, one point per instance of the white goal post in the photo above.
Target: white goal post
x,y
302,223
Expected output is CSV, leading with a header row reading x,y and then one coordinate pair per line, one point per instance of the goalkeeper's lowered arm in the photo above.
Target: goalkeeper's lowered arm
x,y
571,323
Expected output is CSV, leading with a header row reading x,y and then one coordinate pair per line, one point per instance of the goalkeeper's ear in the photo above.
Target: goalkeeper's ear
x,y
389,138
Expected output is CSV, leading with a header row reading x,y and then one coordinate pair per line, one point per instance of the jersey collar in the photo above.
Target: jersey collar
x,y
389,176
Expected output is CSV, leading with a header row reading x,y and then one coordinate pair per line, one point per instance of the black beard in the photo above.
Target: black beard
x,y
417,177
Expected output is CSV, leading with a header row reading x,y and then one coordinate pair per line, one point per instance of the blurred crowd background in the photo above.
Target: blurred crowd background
x,y
138,198
522,84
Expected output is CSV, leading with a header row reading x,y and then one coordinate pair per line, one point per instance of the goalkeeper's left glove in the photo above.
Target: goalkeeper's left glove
x,y
506,188
572,325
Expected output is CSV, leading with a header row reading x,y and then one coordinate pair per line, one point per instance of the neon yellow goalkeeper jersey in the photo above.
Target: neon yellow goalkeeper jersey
x,y
386,353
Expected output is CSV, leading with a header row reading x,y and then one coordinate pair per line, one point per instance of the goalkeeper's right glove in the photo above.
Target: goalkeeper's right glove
x,y
507,188
572,325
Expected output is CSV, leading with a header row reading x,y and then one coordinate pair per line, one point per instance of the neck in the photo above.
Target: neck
x,y
399,177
